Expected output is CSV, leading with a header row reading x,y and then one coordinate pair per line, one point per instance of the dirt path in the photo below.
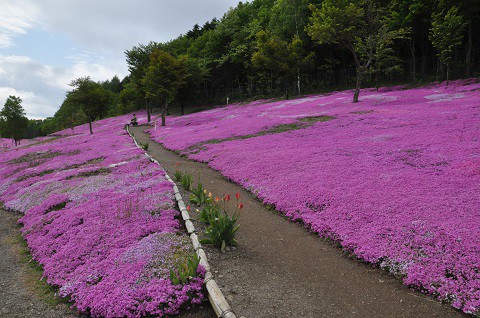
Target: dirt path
x,y
19,293
281,270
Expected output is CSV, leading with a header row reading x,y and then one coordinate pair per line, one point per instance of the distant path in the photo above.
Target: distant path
x,y
18,297
280,270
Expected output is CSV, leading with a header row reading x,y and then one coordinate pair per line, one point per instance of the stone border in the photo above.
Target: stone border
x,y
217,300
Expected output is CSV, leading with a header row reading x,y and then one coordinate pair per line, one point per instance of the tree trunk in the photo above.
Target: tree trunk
x,y
286,88
182,108
298,80
359,84
90,125
148,114
448,72
164,114
414,66
468,58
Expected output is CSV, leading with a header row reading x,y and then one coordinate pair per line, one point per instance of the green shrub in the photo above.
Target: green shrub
x,y
221,231
185,271
187,181
199,195
209,213
177,175
144,146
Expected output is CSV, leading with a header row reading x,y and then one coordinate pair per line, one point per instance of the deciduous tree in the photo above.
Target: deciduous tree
x,y
164,77
14,122
357,26
446,35
91,97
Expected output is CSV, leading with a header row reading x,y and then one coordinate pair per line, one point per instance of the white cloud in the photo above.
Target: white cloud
x,y
114,26
15,19
99,32
42,87
35,106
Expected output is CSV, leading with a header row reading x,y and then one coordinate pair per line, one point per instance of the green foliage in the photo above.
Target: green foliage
x,y
13,122
144,146
177,175
446,34
164,77
360,27
209,213
185,271
90,97
187,181
199,195
221,231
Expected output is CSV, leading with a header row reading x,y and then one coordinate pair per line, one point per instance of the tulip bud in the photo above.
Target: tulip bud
x,y
188,208
227,197
240,206
237,195
209,194
205,191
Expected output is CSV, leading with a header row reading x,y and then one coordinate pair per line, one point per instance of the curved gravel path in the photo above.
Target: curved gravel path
x,y
18,298
281,270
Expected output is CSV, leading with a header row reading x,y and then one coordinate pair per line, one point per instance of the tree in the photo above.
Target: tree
x,y
91,97
281,59
357,26
164,77
415,16
271,57
446,35
138,60
14,121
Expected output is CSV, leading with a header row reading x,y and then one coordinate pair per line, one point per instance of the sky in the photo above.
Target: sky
x,y
45,44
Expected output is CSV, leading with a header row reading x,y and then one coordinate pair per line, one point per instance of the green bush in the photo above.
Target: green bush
x,y
144,146
185,271
187,181
209,213
177,175
221,231
199,195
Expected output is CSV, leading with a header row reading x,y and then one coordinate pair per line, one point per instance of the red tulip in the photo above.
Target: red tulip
x,y
227,197
188,208
237,195
240,206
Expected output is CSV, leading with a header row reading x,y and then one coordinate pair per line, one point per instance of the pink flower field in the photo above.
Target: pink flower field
x,y
101,220
395,179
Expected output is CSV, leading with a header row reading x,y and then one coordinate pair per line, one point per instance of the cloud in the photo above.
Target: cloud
x,y
42,87
36,107
15,19
94,36
115,26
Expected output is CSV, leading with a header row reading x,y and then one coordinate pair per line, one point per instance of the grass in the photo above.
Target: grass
x,y
86,174
34,279
362,112
316,119
35,157
302,123
32,271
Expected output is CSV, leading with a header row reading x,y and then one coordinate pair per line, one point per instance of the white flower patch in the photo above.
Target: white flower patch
x,y
444,97
379,98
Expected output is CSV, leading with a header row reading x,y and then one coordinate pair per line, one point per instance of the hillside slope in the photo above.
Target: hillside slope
x,y
394,179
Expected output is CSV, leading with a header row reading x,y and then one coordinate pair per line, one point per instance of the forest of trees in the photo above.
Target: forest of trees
x,y
285,48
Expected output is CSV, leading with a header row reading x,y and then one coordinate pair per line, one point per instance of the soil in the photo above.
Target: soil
x,y
19,294
279,269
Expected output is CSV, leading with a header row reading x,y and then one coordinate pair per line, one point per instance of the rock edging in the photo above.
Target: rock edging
x,y
215,295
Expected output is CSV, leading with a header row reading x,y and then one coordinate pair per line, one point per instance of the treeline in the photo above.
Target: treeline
x,y
282,48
